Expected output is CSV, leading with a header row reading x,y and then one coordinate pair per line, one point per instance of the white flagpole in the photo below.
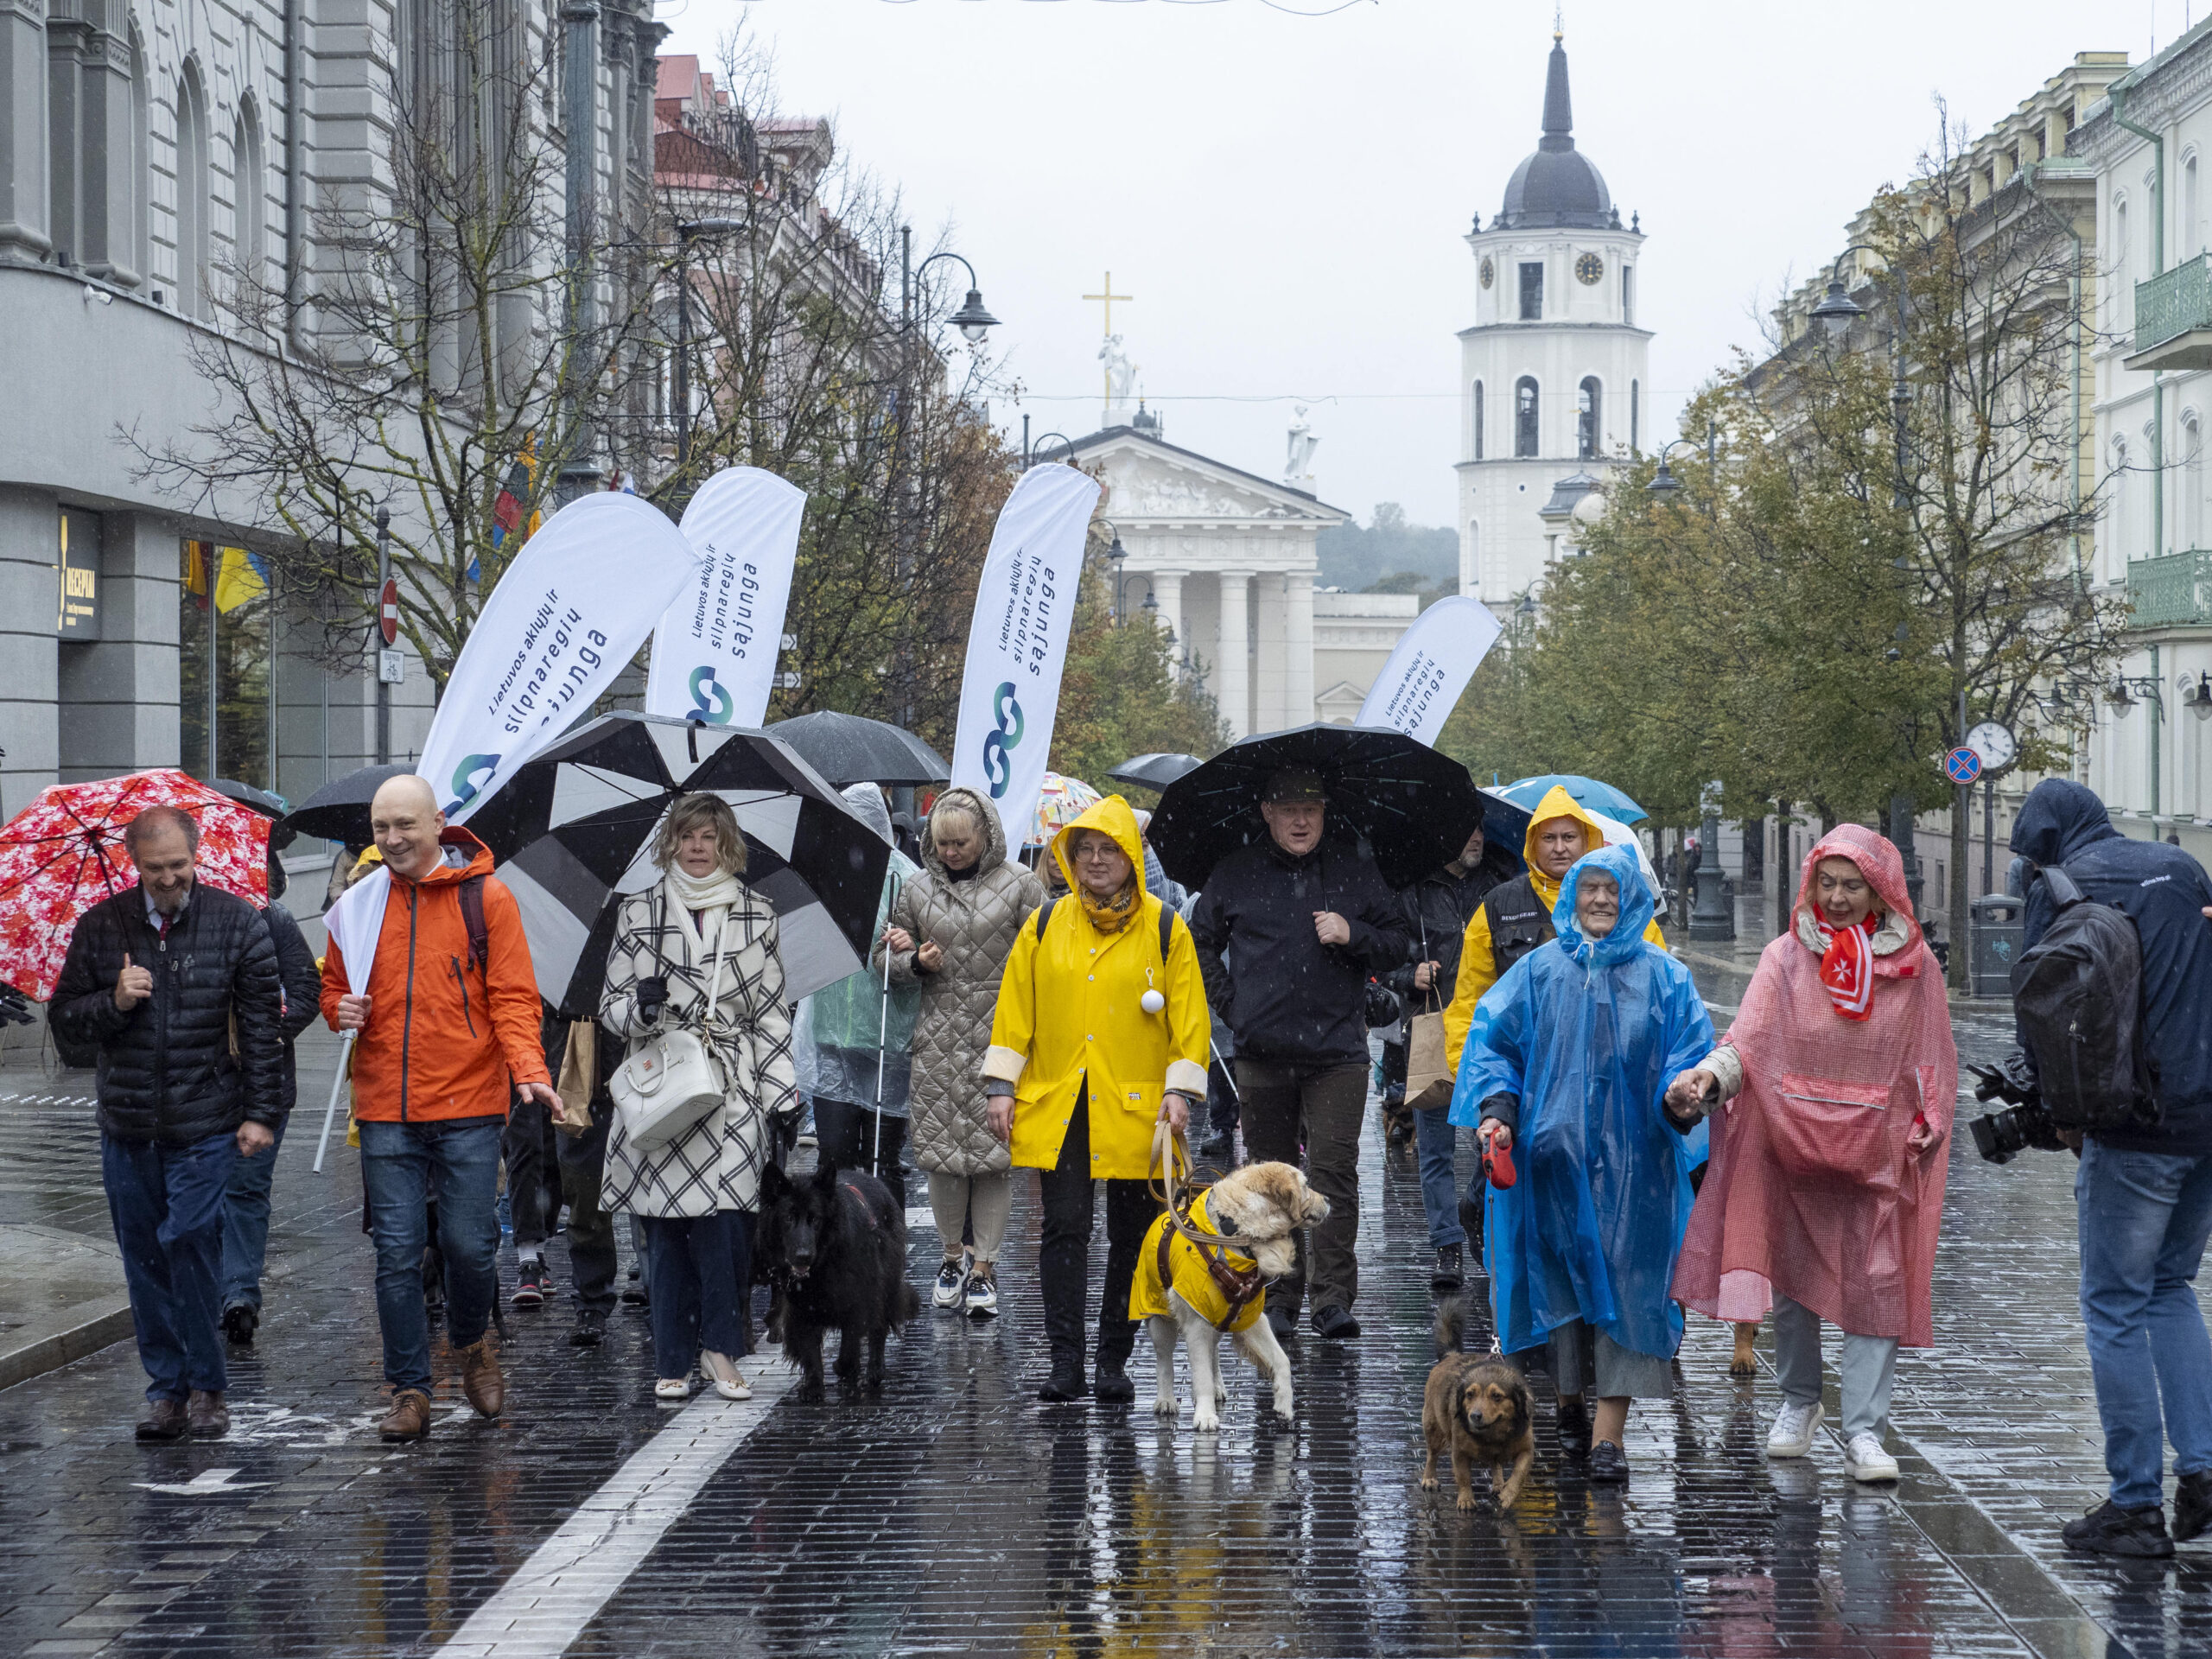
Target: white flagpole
x,y
330,1112
883,1028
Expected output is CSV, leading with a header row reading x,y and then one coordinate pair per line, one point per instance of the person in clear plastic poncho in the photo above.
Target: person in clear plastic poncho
x,y
1568,1064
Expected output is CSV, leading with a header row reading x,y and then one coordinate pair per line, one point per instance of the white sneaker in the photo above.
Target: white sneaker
x,y
1864,1459
1794,1425
982,1292
951,1281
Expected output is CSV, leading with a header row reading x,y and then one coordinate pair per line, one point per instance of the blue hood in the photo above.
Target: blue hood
x,y
2060,821
1638,907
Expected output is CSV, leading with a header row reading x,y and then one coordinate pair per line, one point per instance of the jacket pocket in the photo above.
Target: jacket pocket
x,y
460,979
1832,1133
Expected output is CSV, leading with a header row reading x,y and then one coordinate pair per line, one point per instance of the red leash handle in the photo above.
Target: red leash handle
x,y
1497,1162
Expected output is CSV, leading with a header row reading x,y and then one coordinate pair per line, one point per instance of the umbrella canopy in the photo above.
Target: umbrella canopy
x,y
1060,802
1155,771
1413,806
338,810
269,805
1526,792
63,853
854,749
573,830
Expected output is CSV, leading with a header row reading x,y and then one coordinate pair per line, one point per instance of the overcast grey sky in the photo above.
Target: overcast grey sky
x,y
1284,196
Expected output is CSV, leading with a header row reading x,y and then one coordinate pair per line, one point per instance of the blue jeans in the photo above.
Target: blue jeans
x,y
695,1265
1436,1139
2143,1218
246,1224
404,1166
167,1204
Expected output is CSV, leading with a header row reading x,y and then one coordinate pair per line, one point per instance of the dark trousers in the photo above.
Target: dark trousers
x,y
533,1173
404,1166
246,1224
846,1135
1064,1193
1221,1099
692,1263
166,1205
1318,1107
582,1161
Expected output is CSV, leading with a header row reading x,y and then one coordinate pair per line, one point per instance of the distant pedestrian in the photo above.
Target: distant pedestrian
x,y
171,988
1302,919
581,1055
449,1035
1825,1192
1569,1060
950,928
245,1201
700,949
1099,1035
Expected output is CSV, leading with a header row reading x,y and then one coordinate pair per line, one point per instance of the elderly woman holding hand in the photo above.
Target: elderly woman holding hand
x,y
1101,1033
698,948
1826,1191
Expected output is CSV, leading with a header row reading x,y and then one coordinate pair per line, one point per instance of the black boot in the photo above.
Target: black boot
x,y
1063,1275
1116,1340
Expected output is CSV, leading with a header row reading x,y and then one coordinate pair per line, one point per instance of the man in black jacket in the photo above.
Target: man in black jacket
x,y
157,980
2144,1198
1305,921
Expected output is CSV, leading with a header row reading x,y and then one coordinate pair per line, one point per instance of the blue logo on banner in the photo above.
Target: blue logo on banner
x,y
713,705
996,766
465,780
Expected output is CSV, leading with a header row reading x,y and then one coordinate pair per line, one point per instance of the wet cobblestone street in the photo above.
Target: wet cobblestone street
x,y
956,1514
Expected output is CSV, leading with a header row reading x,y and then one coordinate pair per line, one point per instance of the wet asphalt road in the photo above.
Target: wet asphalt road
x,y
955,1513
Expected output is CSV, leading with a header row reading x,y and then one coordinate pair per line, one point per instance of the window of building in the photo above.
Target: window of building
x,y
1634,437
1628,294
1524,417
2192,481
249,191
227,712
1532,293
191,194
1478,420
1474,565
2192,235
1589,416
2123,291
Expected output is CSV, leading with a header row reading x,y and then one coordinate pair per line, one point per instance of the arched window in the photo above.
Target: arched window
x,y
1478,420
191,194
249,191
2123,514
2192,235
1525,416
2123,291
2192,480
1472,579
1628,294
1589,414
1634,437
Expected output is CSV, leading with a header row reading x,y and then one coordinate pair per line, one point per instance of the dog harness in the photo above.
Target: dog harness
x,y
1223,1286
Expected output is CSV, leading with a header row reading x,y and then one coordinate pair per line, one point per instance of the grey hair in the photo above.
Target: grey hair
x,y
701,812
159,817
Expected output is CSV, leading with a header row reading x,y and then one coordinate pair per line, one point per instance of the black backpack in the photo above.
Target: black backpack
x,y
2078,992
1167,920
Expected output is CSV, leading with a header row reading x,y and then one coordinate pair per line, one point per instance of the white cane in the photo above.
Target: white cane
x,y
883,1031
330,1112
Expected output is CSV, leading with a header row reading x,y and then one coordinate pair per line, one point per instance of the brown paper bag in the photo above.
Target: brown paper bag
x,y
1429,1076
579,1075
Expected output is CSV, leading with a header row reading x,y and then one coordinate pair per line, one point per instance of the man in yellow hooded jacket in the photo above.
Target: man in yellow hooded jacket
x,y
1101,1033
1515,917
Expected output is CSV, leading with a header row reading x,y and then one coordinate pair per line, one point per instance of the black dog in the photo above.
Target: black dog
x,y
834,1248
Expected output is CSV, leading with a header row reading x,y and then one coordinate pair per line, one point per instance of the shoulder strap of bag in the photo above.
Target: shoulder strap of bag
x,y
2064,892
1167,930
1044,915
472,918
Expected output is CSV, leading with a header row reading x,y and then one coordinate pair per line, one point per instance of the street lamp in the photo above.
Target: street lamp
x,y
972,319
1664,484
686,230
1029,451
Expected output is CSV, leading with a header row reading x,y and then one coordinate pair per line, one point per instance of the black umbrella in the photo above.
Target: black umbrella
x,y
1155,771
269,805
574,828
1413,806
338,810
854,749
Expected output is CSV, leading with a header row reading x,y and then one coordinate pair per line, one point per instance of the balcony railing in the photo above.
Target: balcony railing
x,y
2176,304
2171,591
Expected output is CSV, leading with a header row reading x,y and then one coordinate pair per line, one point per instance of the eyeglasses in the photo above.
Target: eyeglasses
x,y
1095,849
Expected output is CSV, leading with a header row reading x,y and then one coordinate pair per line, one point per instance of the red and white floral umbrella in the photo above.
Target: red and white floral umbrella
x,y
63,853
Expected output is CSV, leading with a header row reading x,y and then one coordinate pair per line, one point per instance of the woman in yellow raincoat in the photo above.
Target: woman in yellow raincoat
x,y
1101,1033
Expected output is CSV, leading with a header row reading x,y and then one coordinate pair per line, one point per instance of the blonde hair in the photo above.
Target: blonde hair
x,y
697,812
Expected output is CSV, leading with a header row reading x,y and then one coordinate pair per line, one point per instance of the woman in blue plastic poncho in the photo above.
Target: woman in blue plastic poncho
x,y
1570,1055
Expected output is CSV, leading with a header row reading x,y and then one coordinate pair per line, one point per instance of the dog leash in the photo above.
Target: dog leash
x,y
1169,1152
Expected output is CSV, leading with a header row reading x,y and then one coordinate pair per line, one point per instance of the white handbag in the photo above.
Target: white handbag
x,y
667,1085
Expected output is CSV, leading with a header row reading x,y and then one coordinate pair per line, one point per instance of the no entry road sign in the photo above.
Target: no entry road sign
x,y
1962,765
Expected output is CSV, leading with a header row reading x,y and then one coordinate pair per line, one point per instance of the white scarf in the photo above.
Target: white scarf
x,y
712,896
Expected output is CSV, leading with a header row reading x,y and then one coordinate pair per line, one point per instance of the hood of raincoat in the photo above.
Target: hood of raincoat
x,y
866,802
1557,804
1638,907
983,812
2060,820
1118,819
1897,941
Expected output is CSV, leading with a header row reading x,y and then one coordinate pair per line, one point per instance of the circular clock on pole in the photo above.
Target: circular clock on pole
x,y
1993,745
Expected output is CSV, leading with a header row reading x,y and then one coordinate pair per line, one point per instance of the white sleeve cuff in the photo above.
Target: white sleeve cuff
x,y
1004,1065
1187,1077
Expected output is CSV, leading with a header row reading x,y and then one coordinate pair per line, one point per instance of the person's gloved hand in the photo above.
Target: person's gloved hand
x,y
653,997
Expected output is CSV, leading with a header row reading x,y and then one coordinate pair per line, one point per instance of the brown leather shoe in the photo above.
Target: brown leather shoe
x,y
165,1419
480,1380
408,1418
209,1417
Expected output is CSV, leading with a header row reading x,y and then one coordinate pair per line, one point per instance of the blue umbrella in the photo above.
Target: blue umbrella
x,y
1526,792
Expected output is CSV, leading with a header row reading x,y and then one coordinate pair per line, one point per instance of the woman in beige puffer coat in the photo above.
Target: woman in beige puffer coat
x,y
950,931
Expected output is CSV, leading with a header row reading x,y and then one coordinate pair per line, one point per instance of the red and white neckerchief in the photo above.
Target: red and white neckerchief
x,y
1847,966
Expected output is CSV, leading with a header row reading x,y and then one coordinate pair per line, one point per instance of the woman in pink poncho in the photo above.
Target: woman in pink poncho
x,y
1825,1189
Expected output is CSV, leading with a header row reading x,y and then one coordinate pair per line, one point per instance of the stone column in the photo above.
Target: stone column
x,y
1268,666
111,184
69,39
1232,665
24,217
1167,589
30,529
1298,648
119,696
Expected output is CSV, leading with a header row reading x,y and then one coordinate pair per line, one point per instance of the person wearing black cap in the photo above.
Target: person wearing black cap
x,y
1305,920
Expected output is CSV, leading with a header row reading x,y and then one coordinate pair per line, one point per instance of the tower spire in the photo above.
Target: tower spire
x,y
1559,110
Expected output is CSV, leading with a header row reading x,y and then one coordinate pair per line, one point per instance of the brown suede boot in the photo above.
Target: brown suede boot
x,y
480,1380
165,1419
408,1418
209,1417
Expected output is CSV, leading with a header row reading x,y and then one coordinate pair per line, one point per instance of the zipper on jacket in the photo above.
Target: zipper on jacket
x,y
162,1029
407,1019
462,980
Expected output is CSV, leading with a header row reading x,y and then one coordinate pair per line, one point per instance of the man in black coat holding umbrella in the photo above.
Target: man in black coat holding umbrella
x,y
1305,921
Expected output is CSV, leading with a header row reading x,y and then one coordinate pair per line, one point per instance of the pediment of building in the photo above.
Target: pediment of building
x,y
1150,482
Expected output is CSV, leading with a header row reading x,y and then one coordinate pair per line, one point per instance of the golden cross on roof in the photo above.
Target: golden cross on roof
x,y
1109,296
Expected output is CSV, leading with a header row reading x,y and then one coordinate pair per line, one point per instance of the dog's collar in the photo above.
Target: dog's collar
x,y
1239,1286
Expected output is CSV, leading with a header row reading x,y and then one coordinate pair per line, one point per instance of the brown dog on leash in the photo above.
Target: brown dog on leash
x,y
1478,1406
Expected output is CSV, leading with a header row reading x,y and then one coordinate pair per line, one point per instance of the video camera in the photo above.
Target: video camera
x,y
2001,1136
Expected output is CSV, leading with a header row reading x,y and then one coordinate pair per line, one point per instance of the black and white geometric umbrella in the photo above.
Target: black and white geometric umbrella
x,y
573,831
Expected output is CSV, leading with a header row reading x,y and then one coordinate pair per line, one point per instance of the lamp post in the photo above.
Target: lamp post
x,y
686,230
1712,917
384,686
1029,453
1664,484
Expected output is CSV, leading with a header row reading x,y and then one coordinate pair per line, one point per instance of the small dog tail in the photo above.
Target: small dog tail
x,y
1450,1326
909,1304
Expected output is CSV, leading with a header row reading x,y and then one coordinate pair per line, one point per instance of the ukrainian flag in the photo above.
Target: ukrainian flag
x,y
242,577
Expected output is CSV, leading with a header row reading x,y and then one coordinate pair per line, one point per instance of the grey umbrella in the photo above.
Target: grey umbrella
x,y
854,749
1155,771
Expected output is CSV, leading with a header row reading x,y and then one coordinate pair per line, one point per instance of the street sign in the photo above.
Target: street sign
x,y
392,667
1962,765
388,610
1993,745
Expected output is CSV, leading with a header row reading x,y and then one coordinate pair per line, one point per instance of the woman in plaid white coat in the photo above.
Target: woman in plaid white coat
x,y
697,1194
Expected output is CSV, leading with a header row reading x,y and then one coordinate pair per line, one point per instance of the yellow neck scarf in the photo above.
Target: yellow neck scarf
x,y
1109,915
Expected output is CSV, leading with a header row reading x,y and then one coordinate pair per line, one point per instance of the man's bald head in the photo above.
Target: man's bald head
x,y
405,817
